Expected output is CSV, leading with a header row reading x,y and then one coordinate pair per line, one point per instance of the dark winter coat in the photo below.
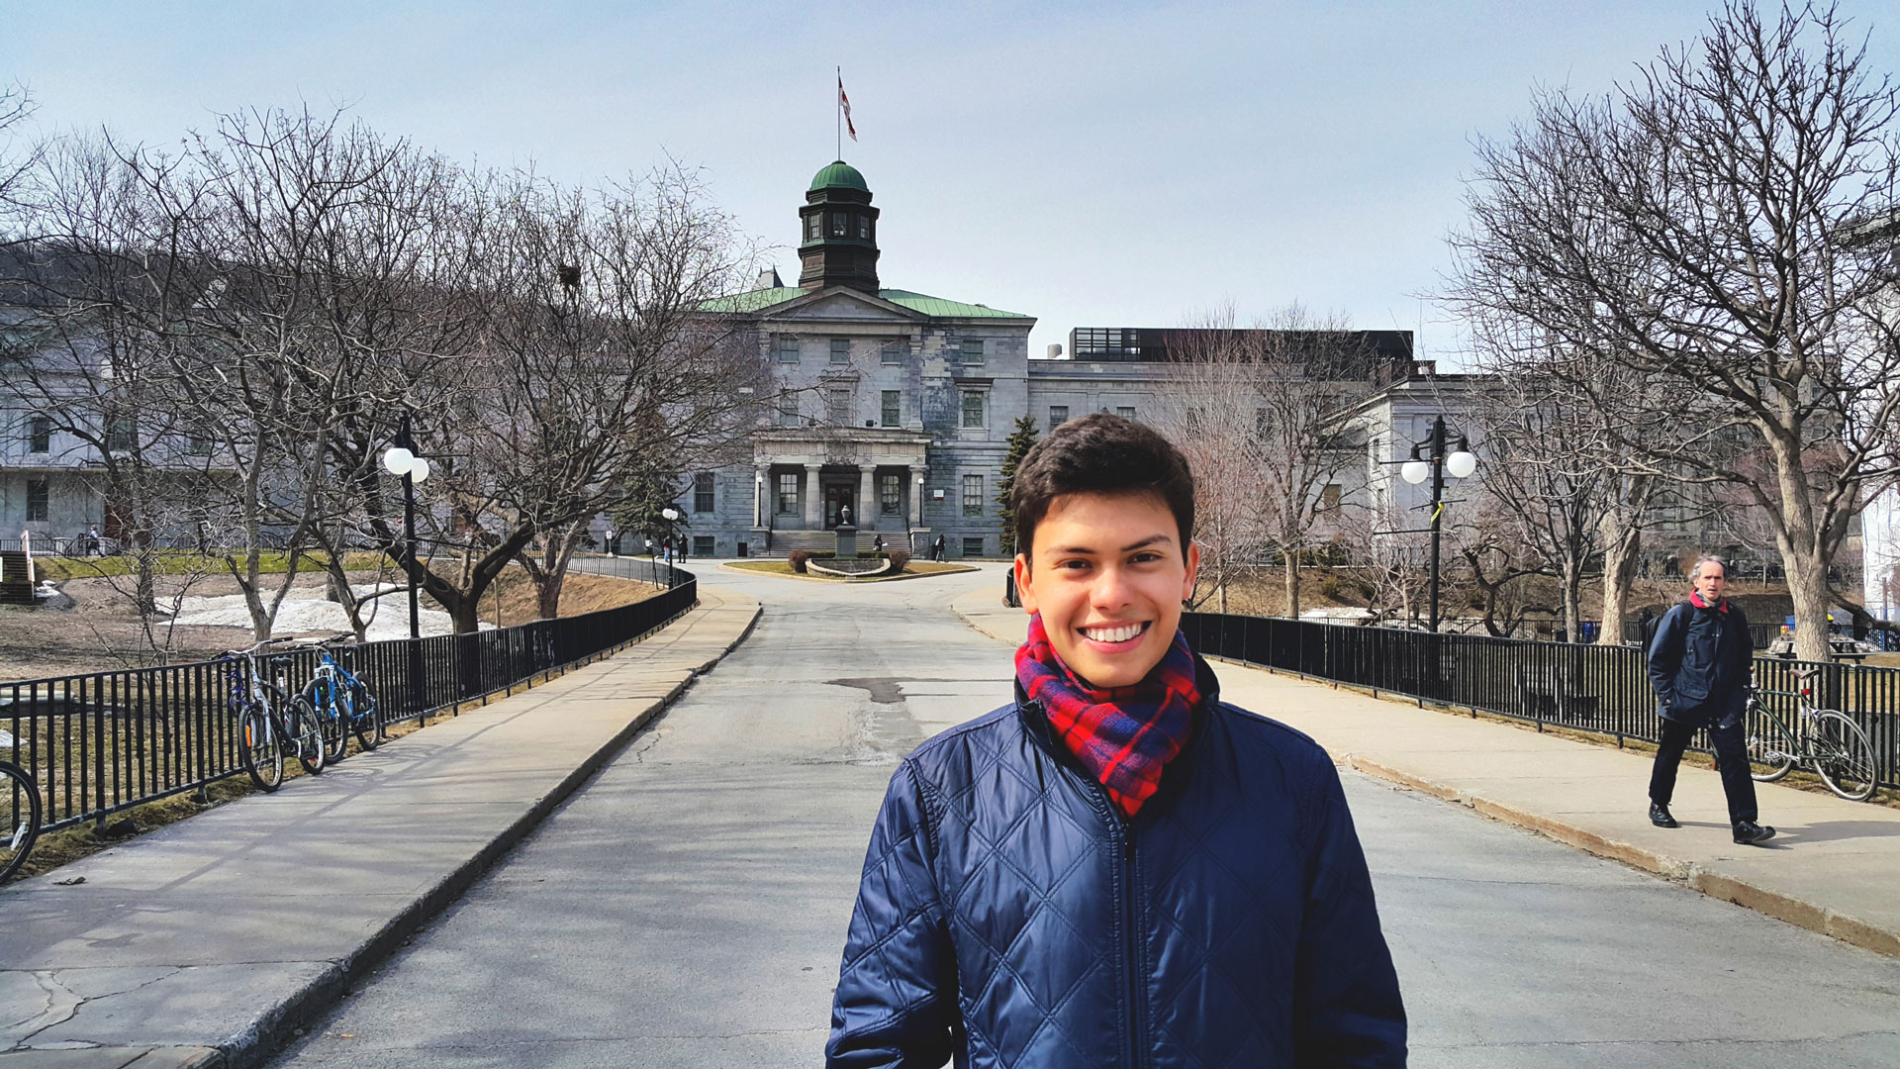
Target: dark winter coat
x,y
1699,663
1009,916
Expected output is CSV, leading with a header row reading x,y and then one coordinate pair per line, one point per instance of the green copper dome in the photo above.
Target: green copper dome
x,y
838,174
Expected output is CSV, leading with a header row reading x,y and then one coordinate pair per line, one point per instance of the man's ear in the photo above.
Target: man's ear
x,y
1193,571
1024,592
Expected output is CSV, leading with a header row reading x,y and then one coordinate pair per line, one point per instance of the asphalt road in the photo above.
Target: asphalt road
x,y
687,908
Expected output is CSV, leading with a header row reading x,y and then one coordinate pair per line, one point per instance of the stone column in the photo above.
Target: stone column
x,y
814,500
761,487
867,497
916,491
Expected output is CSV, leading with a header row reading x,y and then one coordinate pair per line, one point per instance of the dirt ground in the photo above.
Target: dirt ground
x,y
94,627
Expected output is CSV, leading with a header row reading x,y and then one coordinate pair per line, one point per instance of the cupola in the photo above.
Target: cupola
x,y
839,228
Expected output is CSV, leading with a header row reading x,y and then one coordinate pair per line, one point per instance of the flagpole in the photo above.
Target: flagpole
x,y
837,108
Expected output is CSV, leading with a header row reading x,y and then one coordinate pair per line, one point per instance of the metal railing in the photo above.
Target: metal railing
x,y
100,742
1600,689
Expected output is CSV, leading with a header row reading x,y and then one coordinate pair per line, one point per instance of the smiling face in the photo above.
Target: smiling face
x,y
1108,574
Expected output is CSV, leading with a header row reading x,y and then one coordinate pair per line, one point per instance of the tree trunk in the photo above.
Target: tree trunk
x,y
1573,601
1807,588
1621,549
1292,585
548,595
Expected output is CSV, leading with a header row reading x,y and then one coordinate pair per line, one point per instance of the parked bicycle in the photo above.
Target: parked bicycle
x,y
20,803
345,706
1826,740
272,723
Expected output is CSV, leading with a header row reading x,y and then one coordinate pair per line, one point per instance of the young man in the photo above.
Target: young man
x,y
1699,663
1117,869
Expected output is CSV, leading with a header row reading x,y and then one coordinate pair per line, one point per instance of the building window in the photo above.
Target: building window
x,y
788,493
840,224
197,445
39,434
864,227
972,352
704,546
893,352
973,545
893,407
814,227
1058,415
890,491
1262,423
36,499
973,408
840,351
1329,497
788,349
703,492
838,405
1126,411
121,434
787,411
973,495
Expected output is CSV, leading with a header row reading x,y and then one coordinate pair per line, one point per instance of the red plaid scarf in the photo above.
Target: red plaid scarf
x,y
1695,598
1122,735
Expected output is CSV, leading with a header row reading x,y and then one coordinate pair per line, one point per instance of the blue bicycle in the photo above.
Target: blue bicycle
x,y
270,722
345,706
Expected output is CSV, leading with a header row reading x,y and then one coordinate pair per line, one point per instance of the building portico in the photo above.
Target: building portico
x,y
805,478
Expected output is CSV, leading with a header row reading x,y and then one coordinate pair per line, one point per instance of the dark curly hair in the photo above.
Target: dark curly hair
x,y
1101,454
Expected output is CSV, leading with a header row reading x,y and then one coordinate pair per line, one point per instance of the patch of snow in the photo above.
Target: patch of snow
x,y
299,616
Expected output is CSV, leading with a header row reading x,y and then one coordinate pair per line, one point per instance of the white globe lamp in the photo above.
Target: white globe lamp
x,y
1461,464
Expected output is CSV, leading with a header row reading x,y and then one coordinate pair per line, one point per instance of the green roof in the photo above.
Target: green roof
x,y
838,174
760,300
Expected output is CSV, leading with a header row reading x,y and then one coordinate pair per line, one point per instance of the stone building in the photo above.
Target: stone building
x,y
894,406
898,406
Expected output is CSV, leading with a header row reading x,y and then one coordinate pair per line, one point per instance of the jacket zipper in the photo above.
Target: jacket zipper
x,y
1131,945
1125,842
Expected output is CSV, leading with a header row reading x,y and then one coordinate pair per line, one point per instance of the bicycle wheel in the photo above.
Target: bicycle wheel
x,y
331,703
1844,757
20,805
366,717
263,758
1771,746
305,733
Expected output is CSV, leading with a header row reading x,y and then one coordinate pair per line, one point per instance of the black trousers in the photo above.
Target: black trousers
x,y
1731,752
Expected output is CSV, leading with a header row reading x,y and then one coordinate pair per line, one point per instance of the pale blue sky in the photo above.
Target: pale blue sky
x,y
1089,164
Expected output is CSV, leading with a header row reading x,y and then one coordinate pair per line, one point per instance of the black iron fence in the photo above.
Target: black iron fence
x,y
1602,689
105,741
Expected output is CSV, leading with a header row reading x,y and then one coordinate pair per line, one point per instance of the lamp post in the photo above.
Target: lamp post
x,y
670,515
401,460
1435,466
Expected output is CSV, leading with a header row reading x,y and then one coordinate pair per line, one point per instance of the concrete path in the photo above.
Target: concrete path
x,y
688,907
1834,867
200,943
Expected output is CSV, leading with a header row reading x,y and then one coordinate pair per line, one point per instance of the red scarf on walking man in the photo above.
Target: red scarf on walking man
x,y
1122,735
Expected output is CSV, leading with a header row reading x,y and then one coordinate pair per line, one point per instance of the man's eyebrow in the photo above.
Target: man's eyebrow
x,y
1131,547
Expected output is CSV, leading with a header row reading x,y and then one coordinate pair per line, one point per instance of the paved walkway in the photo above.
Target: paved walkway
x,y
1834,867
192,946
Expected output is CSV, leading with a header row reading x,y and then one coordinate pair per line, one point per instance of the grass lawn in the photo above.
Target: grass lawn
x,y
912,570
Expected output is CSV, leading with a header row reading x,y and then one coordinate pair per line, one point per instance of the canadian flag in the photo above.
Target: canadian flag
x,y
844,102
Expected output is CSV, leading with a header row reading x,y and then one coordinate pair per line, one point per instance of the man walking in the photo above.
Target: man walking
x,y
1699,663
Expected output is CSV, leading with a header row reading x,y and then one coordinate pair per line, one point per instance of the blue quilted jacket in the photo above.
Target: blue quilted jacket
x,y
1009,916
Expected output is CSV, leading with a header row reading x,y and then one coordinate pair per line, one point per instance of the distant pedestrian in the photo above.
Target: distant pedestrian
x,y
613,548
94,548
877,544
1699,663
936,549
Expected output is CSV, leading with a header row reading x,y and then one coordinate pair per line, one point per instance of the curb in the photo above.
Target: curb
x,y
1782,907
275,1025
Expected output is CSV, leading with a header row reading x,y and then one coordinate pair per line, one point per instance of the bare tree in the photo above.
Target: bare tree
x,y
1254,411
1692,227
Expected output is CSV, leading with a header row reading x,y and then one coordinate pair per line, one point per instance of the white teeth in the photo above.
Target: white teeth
x,y
1113,634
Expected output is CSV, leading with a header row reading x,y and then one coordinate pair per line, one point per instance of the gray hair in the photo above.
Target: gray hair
x,y
1707,558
